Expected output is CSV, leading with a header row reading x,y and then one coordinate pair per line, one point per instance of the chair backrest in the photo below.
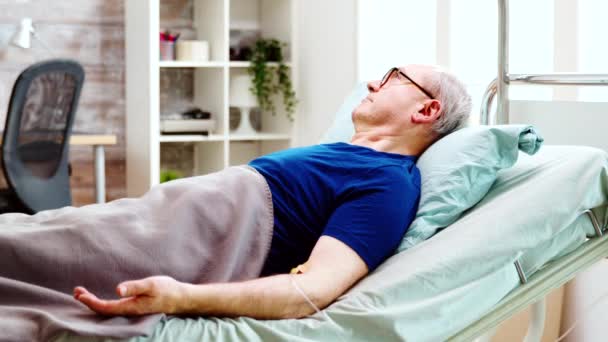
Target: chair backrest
x,y
36,135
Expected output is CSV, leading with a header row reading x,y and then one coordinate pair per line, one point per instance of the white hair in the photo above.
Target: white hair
x,y
455,102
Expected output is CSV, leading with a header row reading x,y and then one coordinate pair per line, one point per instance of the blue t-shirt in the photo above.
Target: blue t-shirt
x,y
362,197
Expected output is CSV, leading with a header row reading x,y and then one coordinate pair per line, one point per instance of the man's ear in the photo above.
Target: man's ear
x,y
427,112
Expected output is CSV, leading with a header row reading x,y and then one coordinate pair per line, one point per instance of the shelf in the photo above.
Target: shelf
x,y
245,25
210,64
246,64
259,136
219,137
190,137
208,84
191,64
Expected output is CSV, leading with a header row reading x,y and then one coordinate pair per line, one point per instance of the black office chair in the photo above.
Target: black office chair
x,y
36,137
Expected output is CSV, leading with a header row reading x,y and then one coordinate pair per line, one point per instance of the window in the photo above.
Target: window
x,y
396,32
593,51
393,33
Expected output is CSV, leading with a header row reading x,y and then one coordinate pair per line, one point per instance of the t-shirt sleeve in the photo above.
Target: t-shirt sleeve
x,y
373,218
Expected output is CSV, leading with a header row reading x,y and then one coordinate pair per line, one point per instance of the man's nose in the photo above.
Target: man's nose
x,y
373,86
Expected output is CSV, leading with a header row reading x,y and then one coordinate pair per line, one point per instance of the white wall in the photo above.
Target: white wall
x,y
394,33
581,294
327,64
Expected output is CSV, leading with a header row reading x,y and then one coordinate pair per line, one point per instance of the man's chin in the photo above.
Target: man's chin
x,y
360,110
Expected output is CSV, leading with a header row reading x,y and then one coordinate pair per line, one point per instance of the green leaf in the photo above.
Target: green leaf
x,y
267,81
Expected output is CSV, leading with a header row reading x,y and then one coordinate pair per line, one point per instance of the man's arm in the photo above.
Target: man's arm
x,y
332,268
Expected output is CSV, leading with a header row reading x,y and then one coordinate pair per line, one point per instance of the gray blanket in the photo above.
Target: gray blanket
x,y
212,228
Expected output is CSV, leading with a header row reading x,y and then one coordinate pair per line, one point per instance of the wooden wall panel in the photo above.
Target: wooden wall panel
x,y
92,12
178,157
176,90
176,13
89,44
83,183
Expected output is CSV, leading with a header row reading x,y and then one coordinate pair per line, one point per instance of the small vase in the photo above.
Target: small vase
x,y
245,127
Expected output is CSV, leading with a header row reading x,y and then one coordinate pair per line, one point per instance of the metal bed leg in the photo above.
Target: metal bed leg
x,y
595,223
537,313
487,336
537,322
520,272
538,309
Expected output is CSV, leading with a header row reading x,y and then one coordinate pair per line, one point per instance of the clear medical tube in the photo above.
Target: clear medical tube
x,y
303,294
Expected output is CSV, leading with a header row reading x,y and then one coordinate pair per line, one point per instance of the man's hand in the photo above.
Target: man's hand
x,y
332,268
157,294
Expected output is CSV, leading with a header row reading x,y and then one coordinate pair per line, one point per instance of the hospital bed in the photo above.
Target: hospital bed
x,y
439,290
533,290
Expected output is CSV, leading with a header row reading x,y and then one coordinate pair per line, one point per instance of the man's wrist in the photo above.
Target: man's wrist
x,y
185,301
194,299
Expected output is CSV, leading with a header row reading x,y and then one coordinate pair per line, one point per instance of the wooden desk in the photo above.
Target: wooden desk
x,y
98,141
92,139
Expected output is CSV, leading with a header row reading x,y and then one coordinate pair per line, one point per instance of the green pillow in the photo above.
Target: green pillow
x,y
456,172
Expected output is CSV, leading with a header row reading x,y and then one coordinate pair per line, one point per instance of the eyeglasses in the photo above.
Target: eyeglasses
x,y
392,72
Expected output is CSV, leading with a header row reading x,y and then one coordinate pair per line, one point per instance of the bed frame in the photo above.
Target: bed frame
x,y
534,289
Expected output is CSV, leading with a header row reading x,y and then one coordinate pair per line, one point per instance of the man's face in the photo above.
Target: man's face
x,y
393,100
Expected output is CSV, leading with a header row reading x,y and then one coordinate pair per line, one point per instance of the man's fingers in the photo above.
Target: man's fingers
x,y
134,288
94,303
125,306
79,290
138,297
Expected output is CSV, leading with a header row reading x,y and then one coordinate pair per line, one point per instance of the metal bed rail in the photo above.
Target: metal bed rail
x,y
530,289
499,87
550,277
555,79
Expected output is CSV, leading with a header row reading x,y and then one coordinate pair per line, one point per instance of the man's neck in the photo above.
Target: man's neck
x,y
387,143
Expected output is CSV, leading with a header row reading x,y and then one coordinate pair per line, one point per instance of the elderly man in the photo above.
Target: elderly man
x,y
339,209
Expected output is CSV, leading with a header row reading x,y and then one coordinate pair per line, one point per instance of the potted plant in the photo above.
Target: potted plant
x,y
169,175
267,81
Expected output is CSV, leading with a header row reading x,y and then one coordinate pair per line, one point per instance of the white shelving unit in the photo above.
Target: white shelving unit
x,y
212,21
193,64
